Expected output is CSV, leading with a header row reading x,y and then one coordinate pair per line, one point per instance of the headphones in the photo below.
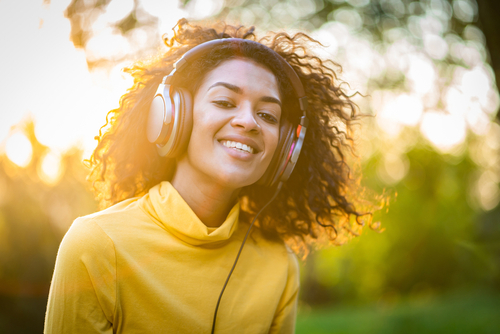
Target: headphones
x,y
170,119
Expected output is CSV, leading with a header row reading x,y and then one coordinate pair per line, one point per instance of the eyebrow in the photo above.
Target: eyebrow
x,y
238,90
234,88
271,99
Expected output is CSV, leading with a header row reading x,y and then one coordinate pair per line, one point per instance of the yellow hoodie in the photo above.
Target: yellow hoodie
x,y
149,265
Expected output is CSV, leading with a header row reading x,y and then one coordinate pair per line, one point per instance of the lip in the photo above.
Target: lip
x,y
237,154
242,139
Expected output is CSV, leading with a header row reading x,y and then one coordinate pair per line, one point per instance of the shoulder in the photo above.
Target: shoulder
x,y
127,209
85,239
293,266
91,233
111,222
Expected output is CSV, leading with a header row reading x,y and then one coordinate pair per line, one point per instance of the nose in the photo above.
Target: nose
x,y
245,119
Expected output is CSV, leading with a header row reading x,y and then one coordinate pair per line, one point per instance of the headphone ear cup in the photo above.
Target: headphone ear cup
x,y
179,129
185,122
159,116
278,162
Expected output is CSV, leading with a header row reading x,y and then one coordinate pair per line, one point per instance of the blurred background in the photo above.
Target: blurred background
x,y
428,70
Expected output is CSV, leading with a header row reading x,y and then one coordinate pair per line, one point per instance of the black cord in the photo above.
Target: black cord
x,y
239,252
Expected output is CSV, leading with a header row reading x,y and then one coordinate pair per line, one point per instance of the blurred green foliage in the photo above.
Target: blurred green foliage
x,y
461,312
434,241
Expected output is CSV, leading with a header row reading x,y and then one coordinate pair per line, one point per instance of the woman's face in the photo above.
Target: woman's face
x,y
236,116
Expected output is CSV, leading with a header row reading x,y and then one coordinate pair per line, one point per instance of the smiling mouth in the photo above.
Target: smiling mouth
x,y
238,146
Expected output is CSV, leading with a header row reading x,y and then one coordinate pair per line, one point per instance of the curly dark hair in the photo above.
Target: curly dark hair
x,y
322,199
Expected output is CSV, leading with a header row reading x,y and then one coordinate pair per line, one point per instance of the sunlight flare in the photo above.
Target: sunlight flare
x,y
50,169
444,131
18,149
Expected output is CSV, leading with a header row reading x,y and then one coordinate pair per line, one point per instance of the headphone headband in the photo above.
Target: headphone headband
x,y
203,48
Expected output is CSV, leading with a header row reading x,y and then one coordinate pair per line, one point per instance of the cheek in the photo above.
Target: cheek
x,y
203,122
196,140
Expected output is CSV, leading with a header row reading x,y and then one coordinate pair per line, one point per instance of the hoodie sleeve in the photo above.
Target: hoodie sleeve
x,y
82,294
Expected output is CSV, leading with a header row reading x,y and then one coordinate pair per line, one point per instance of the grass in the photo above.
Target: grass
x,y
477,312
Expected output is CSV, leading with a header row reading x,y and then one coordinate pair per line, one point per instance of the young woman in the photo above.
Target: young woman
x,y
184,166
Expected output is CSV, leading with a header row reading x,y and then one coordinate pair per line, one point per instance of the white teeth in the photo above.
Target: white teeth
x,y
237,145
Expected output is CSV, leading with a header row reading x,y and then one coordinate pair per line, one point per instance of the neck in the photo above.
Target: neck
x,y
209,201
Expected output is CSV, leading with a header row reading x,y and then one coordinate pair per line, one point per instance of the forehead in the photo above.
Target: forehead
x,y
244,73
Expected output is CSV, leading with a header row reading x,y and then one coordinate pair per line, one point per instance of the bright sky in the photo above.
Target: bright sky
x,y
46,78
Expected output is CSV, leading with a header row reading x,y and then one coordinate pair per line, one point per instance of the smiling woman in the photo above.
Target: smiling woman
x,y
212,132
235,132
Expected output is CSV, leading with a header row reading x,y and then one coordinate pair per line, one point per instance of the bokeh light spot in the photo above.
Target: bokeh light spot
x,y
349,17
456,102
18,149
397,110
50,170
444,131
475,83
393,169
408,108
478,121
200,9
473,33
464,10
487,190
421,74
435,46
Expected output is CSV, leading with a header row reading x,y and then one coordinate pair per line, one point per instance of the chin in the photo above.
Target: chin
x,y
236,181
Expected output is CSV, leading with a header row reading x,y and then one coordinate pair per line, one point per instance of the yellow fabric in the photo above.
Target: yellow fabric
x,y
149,265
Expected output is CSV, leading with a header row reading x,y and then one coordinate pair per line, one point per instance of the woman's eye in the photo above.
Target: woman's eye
x,y
268,118
223,104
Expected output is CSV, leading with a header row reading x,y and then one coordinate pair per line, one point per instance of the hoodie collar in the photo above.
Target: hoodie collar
x,y
169,210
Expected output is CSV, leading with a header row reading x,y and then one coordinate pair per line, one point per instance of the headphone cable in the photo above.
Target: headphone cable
x,y
239,252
